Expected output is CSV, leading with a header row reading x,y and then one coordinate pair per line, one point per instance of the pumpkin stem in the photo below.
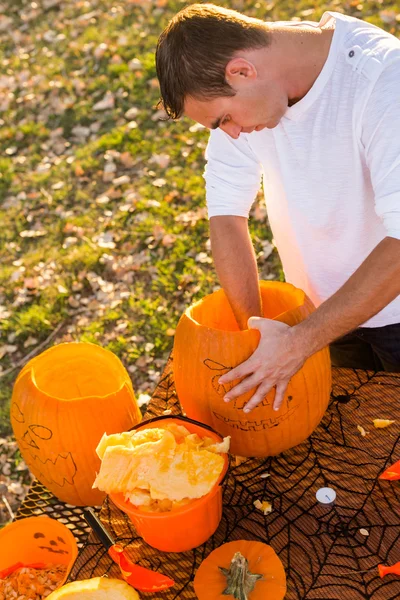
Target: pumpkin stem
x,y
240,582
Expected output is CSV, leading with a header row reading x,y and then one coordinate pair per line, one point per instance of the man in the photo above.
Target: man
x,y
313,108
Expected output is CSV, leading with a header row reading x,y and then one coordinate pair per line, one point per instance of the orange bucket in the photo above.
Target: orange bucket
x,y
186,527
37,540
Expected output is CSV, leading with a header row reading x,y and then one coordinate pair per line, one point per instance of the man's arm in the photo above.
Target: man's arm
x,y
282,350
375,283
236,266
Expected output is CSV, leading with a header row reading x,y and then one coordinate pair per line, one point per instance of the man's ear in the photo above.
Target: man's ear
x,y
238,70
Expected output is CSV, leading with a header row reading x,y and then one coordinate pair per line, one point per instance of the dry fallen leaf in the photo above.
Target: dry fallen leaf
x,y
381,423
143,399
106,103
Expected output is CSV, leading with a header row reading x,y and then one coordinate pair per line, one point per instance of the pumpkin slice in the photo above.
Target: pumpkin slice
x,y
98,588
243,570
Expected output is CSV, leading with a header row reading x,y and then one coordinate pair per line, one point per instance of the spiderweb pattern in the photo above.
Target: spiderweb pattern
x,y
321,548
39,501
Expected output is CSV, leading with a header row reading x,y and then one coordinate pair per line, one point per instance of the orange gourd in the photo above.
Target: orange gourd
x,y
208,343
63,401
244,570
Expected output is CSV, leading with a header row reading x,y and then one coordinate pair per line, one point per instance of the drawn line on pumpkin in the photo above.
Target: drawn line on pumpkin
x,y
213,365
17,413
27,439
257,425
44,432
58,466
240,403
50,549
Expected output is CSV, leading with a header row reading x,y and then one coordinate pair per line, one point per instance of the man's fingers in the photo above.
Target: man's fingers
x,y
261,392
245,368
280,394
254,322
244,386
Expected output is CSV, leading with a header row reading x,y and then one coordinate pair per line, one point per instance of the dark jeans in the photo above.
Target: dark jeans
x,y
374,348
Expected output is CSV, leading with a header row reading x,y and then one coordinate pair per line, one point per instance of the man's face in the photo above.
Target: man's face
x,y
253,108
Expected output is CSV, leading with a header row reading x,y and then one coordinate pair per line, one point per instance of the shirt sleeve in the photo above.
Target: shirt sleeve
x,y
232,175
380,136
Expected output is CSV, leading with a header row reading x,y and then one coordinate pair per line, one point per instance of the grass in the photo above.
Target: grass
x,y
113,263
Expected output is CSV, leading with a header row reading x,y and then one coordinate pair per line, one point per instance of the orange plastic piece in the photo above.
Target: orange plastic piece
x,y
37,541
139,577
391,473
63,401
182,528
394,569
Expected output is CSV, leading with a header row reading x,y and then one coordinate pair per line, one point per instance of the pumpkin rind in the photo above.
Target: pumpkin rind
x,y
63,401
210,583
208,343
98,588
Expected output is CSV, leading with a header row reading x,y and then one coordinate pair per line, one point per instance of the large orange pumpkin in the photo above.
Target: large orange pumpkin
x,y
63,401
208,343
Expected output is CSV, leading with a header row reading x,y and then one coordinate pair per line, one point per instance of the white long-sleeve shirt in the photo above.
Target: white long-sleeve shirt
x,y
330,168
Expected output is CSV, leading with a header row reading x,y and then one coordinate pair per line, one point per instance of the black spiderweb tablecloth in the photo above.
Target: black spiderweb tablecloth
x,y
322,548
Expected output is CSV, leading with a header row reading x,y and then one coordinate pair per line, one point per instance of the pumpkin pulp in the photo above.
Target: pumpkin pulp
x,y
240,582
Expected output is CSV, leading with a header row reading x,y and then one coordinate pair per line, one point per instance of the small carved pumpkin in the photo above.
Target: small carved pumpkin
x,y
37,540
243,570
63,401
208,343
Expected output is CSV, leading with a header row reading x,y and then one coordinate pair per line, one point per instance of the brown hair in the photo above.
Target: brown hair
x,y
194,49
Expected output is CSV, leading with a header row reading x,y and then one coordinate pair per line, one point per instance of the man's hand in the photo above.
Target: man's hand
x,y
276,359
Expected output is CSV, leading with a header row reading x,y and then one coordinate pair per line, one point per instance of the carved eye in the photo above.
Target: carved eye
x,y
38,535
60,540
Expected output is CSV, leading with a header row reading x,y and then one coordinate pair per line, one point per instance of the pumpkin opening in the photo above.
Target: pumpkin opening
x,y
72,371
215,312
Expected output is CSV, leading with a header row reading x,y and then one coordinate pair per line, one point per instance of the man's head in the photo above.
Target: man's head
x,y
198,52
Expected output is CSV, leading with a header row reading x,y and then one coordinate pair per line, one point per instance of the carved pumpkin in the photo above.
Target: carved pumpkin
x,y
243,570
98,588
37,540
208,343
63,401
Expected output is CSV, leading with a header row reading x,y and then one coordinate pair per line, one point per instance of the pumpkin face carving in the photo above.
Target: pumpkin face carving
x,y
208,343
51,469
37,540
63,401
54,546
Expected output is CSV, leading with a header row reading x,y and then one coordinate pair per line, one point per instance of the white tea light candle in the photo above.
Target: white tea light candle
x,y
326,495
